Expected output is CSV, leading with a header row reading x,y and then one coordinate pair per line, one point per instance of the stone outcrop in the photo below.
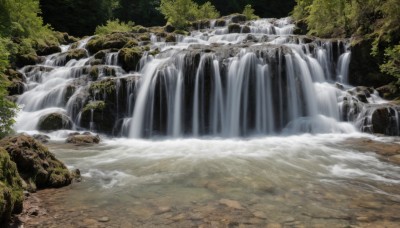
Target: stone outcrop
x,y
36,164
54,121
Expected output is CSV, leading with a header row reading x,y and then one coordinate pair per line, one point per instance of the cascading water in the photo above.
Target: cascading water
x,y
215,82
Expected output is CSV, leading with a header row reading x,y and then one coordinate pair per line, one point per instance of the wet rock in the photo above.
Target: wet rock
x,y
41,138
140,29
48,50
110,41
83,139
201,24
231,203
104,219
76,54
54,121
234,28
246,29
17,80
11,192
238,18
384,121
169,28
220,23
129,58
36,164
170,38
389,91
28,59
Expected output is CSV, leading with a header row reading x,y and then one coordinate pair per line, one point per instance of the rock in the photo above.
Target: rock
x,y
28,59
36,164
54,121
170,38
384,121
246,29
41,138
139,29
103,219
76,54
83,139
129,58
48,50
220,23
201,24
11,192
237,18
234,28
17,80
260,214
169,28
231,203
162,210
109,41
364,68
389,91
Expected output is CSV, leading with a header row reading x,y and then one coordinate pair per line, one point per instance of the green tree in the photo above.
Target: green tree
x,y
248,11
207,11
179,12
7,108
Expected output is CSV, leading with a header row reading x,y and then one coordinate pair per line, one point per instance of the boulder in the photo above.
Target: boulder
x,y
11,191
83,139
110,41
169,28
28,59
41,138
220,23
234,28
129,58
383,120
54,121
76,54
48,50
36,164
170,38
237,18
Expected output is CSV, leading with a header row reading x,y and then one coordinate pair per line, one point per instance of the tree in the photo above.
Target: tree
x,y
7,108
179,12
248,11
207,11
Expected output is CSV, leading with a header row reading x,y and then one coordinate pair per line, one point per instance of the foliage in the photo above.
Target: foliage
x,y
114,26
392,64
180,12
248,11
375,20
207,11
7,108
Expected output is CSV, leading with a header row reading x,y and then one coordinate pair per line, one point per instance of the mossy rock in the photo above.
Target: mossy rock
x,y
170,38
109,71
107,86
238,18
169,28
95,106
65,38
234,28
110,41
94,73
220,23
83,139
48,50
28,59
129,58
76,54
11,191
139,29
201,24
54,121
246,29
131,44
144,37
36,163
182,32
17,80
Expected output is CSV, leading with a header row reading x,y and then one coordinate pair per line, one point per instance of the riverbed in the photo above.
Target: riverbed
x,y
293,181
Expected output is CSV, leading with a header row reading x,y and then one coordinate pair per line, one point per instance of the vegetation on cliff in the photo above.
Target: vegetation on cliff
x,y
376,21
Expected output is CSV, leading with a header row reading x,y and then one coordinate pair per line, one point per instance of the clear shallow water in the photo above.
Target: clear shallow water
x,y
296,180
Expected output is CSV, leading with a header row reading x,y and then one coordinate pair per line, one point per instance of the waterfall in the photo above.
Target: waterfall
x,y
258,80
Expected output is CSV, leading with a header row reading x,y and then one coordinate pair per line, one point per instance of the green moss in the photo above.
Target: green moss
x,y
144,37
182,32
76,54
94,73
129,58
139,29
94,105
11,191
132,43
108,86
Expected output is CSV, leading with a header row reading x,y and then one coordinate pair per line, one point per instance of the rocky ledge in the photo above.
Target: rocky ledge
x,y
26,164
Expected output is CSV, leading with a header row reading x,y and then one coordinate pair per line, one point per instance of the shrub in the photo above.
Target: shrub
x,y
114,26
248,11
207,11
